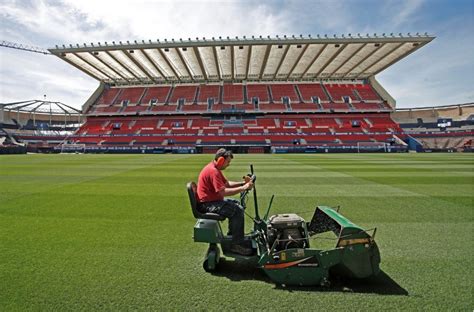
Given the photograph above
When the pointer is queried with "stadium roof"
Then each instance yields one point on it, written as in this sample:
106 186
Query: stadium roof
256 59
40 107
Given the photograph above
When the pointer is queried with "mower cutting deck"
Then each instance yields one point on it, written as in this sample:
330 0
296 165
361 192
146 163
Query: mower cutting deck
282 246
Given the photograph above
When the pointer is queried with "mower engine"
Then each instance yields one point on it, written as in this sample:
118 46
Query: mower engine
285 231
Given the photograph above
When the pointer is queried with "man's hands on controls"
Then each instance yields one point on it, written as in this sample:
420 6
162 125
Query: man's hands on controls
248 185
247 178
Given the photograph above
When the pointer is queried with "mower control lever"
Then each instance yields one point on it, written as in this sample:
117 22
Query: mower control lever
243 195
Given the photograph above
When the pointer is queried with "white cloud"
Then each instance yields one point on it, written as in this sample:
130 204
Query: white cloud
437 73
404 12
46 23
30 79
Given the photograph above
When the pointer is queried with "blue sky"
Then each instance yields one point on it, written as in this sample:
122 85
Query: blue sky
441 73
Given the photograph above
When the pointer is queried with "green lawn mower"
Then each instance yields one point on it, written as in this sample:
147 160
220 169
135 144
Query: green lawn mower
284 244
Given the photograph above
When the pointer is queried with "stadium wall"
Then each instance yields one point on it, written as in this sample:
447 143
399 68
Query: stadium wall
431 114
382 92
94 97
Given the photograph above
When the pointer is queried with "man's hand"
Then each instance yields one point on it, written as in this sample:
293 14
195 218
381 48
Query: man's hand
247 178
248 185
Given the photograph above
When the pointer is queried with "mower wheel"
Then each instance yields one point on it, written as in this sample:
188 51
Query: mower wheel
212 258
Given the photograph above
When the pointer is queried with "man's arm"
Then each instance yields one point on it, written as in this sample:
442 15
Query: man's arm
232 184
233 188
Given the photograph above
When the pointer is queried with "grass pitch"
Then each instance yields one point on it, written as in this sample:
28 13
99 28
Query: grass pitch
114 232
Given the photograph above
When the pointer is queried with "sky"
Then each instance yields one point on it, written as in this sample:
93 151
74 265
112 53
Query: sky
440 73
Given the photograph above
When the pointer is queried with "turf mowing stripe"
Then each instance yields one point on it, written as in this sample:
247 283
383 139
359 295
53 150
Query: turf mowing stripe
123 239
110 172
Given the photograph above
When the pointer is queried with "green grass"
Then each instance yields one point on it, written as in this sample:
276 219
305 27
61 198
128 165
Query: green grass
114 232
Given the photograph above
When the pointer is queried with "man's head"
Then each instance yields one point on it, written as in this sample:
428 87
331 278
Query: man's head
223 158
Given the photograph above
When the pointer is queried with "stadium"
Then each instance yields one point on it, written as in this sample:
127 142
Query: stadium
250 95
95 212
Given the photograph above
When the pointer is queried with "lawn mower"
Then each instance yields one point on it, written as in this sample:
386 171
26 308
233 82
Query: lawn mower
283 243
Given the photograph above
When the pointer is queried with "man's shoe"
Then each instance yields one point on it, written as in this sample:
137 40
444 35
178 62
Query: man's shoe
241 250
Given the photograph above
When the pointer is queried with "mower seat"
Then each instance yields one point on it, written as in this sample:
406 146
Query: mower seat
191 186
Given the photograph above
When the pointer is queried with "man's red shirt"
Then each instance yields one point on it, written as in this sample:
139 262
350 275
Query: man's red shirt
210 182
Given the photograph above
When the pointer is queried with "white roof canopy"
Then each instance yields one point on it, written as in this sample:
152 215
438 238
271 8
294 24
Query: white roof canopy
234 60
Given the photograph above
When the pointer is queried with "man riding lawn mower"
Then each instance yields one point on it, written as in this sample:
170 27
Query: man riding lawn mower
280 244
211 190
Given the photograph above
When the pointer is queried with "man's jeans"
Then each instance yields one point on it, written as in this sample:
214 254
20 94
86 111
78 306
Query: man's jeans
232 210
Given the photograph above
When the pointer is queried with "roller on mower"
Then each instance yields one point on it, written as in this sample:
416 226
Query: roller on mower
285 244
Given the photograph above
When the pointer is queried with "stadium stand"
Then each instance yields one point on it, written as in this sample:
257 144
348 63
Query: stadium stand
258 92
233 94
207 92
280 91
186 93
256 103
310 92
156 95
